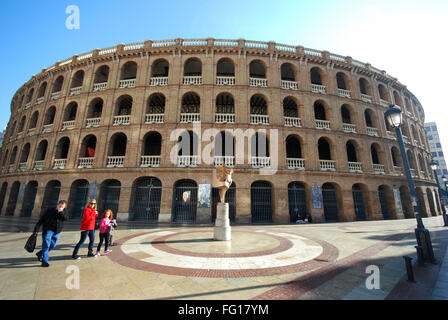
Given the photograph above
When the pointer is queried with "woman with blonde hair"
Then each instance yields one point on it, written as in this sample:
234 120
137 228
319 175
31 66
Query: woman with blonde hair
106 224
87 228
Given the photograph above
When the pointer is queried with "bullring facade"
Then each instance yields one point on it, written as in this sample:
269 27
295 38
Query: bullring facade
100 125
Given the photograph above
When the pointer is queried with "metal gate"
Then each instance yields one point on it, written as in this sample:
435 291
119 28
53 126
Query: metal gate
185 199
297 201
383 201
147 196
29 199
12 201
51 197
330 203
110 198
261 202
230 199
79 202
358 201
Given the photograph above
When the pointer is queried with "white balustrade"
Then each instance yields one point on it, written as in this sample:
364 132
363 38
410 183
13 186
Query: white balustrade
260 162
292 122
398 170
349 128
19 135
93 122
312 52
150 161
406 139
22 167
322 124
38 165
28 105
99 86
366 98
372 131
258 82
355 167
344 93
391 135
187 161
378 169
59 163
225 118
228 161
67 125
130 83
55 95
154 118
256 44
192 80
47 128
158 81
31 132
86 162
225 80
190 117
384 103
115 161
327 165
11 168
295 163
259 119
289 85
122 120
413 173
39 100
75 91
317 88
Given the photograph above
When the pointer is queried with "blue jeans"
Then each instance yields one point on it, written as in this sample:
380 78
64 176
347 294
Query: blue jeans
49 241
84 234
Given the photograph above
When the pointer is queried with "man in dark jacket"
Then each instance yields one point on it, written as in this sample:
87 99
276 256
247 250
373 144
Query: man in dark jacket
52 222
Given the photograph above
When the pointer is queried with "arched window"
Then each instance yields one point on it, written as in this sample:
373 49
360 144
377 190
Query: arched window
155 108
117 150
365 87
152 147
316 76
78 79
192 67
190 108
259 150
342 81
287 72
351 152
345 114
257 70
319 111
123 110
41 93
225 109
94 113
57 85
293 148
62 148
128 75
384 94
25 153
324 149
225 68
33 120
160 68
49 115
101 75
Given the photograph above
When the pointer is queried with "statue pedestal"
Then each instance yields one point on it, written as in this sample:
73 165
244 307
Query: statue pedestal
222 223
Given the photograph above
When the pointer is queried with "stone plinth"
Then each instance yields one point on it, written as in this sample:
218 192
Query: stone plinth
222 230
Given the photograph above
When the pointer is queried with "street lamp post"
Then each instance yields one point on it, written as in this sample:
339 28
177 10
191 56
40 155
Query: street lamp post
434 164
394 118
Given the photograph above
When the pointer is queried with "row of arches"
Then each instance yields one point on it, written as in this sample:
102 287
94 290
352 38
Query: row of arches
146 198
224 105
225 67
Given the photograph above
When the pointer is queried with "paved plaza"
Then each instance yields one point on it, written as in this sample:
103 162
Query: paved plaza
261 262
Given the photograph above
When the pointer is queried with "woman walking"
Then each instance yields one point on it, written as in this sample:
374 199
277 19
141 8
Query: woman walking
106 224
87 229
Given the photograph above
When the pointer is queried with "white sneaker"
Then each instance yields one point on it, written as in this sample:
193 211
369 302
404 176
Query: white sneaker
97 254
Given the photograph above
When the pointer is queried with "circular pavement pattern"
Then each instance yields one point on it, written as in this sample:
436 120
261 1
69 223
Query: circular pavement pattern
250 253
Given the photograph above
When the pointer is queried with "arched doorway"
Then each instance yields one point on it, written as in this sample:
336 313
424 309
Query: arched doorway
359 202
230 199
12 201
51 195
296 201
147 193
109 196
29 198
185 199
330 203
78 198
261 202
383 195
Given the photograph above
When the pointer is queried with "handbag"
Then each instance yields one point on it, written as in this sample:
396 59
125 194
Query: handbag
30 244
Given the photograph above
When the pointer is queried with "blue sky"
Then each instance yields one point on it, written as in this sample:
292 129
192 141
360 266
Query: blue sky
405 38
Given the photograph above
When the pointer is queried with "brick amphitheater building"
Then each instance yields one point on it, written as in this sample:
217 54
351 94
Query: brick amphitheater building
100 125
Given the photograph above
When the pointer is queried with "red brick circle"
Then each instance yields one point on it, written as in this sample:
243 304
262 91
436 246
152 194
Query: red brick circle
160 243
328 255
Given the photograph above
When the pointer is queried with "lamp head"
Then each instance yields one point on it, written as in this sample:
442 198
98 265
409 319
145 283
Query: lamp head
434 164
393 116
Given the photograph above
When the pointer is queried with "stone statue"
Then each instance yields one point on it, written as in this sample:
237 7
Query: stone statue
223 181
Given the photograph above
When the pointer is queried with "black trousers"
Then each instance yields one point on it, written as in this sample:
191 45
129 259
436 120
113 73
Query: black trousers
103 237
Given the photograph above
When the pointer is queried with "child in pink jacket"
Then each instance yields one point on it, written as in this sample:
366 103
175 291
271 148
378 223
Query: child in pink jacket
106 222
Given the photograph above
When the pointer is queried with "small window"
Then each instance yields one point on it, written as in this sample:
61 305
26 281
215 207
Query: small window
427 129
434 128
438 145
441 154
429 137
434 154
445 171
